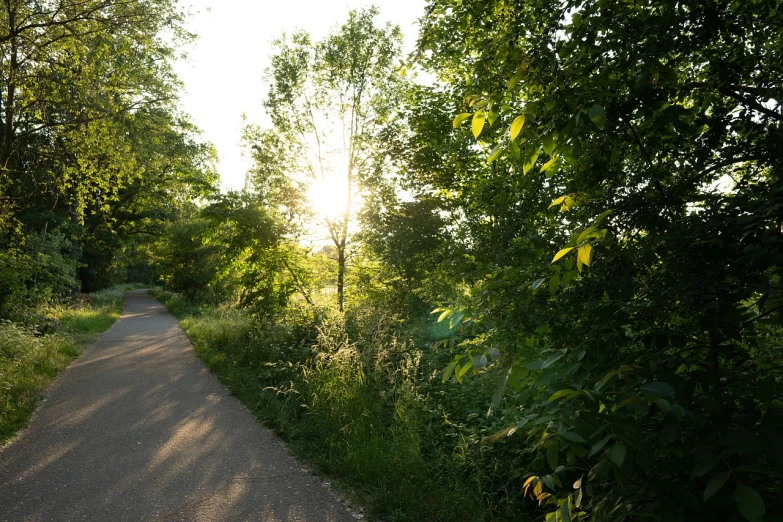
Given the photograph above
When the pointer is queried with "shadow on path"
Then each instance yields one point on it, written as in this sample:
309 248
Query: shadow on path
138 429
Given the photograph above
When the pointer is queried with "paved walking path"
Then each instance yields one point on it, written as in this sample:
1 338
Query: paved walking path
138 429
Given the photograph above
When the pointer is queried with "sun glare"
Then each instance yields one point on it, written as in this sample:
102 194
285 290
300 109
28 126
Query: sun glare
328 196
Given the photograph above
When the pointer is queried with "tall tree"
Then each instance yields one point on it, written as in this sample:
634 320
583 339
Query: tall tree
67 69
334 98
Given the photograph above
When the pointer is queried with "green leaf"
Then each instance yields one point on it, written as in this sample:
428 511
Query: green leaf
562 393
515 150
463 370
568 276
705 466
576 149
554 284
512 82
598 446
658 389
495 153
449 370
749 503
460 118
597 115
552 360
565 511
531 161
562 253
549 144
498 395
601 217
715 484
478 123
572 436
492 116
538 282
552 456
456 319
516 126
617 454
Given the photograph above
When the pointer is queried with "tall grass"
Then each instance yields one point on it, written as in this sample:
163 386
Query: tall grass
27 364
353 405
29 361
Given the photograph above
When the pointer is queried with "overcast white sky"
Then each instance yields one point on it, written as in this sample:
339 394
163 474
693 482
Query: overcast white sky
223 75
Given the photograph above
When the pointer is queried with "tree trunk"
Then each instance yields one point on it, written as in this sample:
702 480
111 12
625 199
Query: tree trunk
341 276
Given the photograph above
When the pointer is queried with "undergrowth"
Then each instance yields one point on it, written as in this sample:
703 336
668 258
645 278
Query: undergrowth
30 359
363 406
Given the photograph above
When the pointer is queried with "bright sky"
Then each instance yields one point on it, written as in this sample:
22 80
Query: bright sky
223 75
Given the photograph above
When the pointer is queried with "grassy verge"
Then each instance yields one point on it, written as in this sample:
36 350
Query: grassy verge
30 361
354 409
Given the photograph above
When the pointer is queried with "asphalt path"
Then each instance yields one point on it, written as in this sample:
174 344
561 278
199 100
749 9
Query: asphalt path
138 429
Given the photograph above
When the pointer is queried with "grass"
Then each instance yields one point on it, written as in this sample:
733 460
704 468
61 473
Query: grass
353 409
29 361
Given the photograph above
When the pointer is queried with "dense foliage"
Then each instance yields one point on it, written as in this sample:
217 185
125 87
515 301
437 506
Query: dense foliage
94 155
592 205
624 242
587 194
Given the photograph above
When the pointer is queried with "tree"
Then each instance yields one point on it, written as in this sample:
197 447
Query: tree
622 235
66 68
92 146
334 98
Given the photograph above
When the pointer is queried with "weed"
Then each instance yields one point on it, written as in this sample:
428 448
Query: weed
30 361
357 405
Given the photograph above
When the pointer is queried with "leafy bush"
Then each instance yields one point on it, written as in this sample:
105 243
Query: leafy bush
357 400
44 271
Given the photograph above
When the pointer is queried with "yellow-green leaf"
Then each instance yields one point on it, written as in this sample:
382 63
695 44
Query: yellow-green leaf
548 165
449 371
562 253
516 126
494 154
460 118
549 144
558 201
584 254
530 162
478 122
492 116
585 233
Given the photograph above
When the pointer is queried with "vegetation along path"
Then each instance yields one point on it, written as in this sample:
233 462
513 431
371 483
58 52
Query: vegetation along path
138 429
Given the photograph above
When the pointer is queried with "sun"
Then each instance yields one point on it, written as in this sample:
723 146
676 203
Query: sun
329 196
